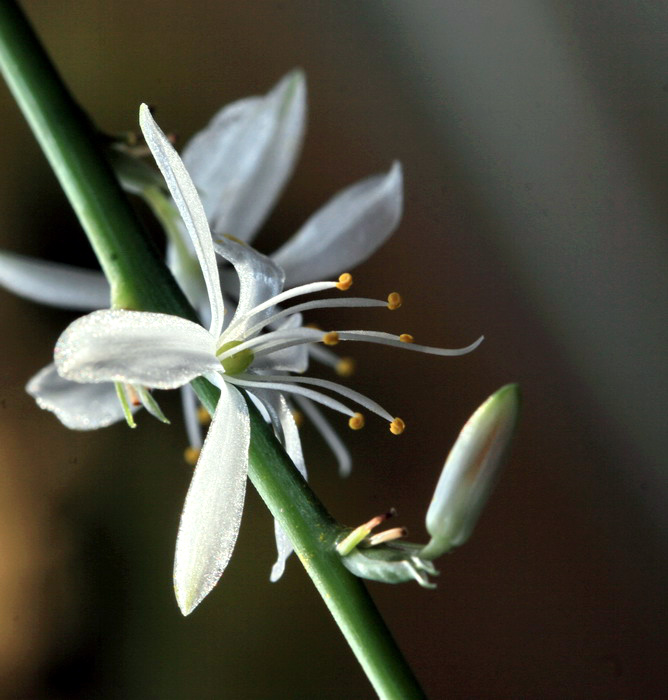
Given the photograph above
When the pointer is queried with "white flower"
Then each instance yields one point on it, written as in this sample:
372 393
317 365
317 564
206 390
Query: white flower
165 352
239 163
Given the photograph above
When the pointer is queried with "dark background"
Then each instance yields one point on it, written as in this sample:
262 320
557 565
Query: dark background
534 147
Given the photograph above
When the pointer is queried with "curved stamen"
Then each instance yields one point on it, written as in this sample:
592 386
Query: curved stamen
395 341
293 336
351 394
357 302
329 435
291 389
301 290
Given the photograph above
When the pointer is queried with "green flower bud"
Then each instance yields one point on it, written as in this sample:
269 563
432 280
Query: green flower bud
470 472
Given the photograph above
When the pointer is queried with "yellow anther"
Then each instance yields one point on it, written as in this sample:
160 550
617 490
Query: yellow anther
345 281
191 455
356 421
406 338
298 418
315 326
203 416
397 426
345 367
394 301
331 338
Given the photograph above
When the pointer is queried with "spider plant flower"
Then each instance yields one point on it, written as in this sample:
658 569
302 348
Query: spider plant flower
240 164
166 352
470 472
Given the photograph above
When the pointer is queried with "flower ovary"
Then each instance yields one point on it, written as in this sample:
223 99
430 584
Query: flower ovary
237 363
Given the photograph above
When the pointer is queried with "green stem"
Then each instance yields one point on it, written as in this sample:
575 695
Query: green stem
140 280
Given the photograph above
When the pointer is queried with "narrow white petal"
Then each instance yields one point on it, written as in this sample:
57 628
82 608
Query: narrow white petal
293 447
214 504
329 435
62 286
241 161
188 203
135 347
259 279
78 406
346 231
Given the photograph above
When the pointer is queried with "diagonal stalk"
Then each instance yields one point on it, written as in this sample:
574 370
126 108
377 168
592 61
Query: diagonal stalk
140 280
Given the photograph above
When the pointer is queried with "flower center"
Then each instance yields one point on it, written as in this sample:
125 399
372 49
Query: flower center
238 362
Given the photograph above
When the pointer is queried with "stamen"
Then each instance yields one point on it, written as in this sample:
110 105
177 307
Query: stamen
393 340
406 338
397 426
345 282
352 539
315 326
191 455
394 301
301 290
133 396
203 416
334 303
331 338
394 533
329 435
298 418
356 422
345 367
290 384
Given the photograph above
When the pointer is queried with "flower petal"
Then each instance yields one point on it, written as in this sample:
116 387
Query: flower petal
62 286
188 203
293 447
241 161
78 406
135 347
214 504
346 231
260 279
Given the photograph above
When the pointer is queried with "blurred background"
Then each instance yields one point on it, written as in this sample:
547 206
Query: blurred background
535 154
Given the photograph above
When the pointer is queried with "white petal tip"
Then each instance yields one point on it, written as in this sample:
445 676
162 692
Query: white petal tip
186 603
277 571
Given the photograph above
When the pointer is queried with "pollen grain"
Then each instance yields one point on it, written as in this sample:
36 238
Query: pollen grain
394 301
397 426
331 338
356 421
191 455
345 281
203 416
345 367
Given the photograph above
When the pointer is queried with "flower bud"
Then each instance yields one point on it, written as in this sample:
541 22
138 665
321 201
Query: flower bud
470 472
